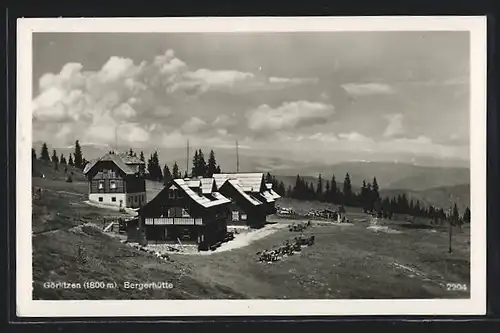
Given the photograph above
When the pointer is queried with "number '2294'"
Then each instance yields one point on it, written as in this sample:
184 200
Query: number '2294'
456 287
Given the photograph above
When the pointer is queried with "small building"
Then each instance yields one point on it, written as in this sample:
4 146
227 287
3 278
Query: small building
252 199
186 210
117 179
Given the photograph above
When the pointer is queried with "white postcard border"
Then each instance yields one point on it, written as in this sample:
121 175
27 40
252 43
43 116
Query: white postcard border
476 305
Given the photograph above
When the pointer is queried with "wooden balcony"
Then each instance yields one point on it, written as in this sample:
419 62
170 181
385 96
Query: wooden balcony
173 221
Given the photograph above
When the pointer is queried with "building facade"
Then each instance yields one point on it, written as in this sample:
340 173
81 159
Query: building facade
252 199
117 179
186 211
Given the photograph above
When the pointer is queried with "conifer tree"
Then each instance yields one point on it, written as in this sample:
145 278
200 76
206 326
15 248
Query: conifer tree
466 216
333 190
175 171
347 191
211 165
196 164
218 169
319 189
44 154
62 159
142 156
70 161
167 176
78 157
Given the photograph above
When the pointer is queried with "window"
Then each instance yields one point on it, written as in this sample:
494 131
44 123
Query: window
100 199
112 184
171 194
236 215
113 199
185 213
101 185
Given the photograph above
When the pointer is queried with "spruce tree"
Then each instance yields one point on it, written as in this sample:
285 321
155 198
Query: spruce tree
211 165
55 159
202 165
217 170
33 154
150 167
347 191
175 171
466 216
70 161
333 190
269 178
44 154
62 159
319 189
364 197
167 176
455 217
142 157
78 155
131 152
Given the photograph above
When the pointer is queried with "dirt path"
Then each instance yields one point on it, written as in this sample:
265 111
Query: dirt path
240 240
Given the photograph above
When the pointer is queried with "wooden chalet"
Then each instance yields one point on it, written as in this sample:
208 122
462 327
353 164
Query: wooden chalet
186 210
252 199
117 179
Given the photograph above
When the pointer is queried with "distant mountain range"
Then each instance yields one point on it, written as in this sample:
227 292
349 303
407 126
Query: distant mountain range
436 176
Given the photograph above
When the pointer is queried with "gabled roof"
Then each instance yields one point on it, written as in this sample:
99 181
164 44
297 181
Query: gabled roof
116 159
274 194
248 182
235 184
201 199
267 196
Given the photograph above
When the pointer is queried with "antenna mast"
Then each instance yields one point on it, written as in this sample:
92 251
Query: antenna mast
116 138
237 158
187 158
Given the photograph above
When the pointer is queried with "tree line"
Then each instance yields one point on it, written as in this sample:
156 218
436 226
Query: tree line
75 159
367 198
200 167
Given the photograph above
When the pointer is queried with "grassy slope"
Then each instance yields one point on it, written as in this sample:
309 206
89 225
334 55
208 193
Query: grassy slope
57 226
346 261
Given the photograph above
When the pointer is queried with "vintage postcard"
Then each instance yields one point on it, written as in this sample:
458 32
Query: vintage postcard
251 166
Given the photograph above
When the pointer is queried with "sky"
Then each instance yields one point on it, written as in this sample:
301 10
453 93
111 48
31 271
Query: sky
306 92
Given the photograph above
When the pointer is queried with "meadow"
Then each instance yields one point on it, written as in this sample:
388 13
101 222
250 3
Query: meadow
363 259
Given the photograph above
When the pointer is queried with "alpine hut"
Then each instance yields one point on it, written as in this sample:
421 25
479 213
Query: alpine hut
252 199
186 210
117 179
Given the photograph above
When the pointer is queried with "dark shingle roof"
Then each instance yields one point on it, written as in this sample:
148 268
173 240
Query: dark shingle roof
123 161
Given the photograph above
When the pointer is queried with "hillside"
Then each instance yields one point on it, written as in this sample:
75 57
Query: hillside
437 196
346 261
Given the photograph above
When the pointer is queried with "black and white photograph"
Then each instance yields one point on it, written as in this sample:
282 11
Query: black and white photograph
240 166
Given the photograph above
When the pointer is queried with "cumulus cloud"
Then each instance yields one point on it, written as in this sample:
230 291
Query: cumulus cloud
395 126
193 125
289 115
85 105
362 89
355 136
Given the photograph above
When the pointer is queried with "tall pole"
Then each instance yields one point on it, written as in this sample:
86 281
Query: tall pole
187 158
450 230
237 158
116 138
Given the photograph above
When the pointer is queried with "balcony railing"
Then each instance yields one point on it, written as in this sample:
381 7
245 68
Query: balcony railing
173 221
